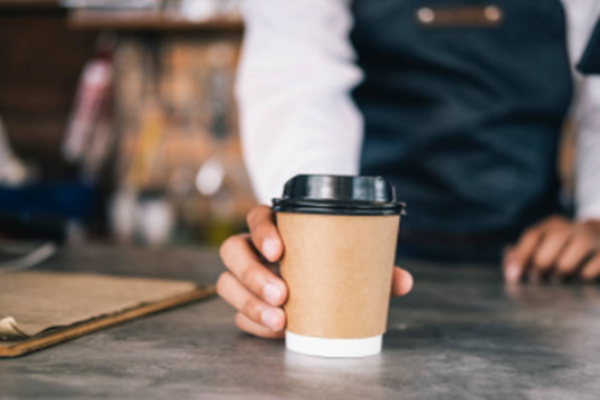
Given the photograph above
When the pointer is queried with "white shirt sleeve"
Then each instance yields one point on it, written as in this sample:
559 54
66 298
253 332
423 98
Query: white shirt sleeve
582 16
293 90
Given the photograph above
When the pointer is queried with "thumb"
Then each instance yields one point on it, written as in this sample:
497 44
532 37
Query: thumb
402 282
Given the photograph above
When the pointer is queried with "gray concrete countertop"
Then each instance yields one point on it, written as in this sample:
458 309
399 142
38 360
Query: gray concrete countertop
460 334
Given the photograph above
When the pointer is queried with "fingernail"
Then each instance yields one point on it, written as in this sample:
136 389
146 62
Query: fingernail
269 249
512 273
271 318
273 293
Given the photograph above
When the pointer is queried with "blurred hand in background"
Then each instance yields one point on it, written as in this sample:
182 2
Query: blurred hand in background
555 249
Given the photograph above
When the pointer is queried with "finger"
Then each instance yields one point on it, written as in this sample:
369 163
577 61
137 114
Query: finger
552 243
234 293
512 272
264 234
247 325
577 250
241 259
516 260
591 271
402 282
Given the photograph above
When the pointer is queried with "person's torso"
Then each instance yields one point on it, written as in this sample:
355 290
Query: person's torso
463 103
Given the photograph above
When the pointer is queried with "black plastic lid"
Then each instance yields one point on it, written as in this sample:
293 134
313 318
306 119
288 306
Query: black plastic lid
339 195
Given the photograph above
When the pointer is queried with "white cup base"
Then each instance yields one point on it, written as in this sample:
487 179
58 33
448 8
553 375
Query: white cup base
333 348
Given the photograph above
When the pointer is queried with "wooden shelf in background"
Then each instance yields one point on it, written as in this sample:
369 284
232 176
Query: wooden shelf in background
147 20
29 4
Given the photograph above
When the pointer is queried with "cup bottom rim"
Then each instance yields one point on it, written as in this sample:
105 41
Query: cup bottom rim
333 348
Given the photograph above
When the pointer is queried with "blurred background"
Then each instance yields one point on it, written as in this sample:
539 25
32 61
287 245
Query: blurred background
118 122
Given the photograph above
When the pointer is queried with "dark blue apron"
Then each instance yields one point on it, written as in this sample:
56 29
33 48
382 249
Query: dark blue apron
463 114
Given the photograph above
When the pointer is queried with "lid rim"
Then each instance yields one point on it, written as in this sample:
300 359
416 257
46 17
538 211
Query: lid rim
329 206
338 194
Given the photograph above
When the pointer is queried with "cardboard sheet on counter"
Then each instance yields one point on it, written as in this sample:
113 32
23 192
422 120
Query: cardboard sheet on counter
34 302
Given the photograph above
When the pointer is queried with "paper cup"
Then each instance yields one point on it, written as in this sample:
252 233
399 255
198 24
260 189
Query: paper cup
338 266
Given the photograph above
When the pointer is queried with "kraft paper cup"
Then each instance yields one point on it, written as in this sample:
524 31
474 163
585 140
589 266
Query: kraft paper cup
338 266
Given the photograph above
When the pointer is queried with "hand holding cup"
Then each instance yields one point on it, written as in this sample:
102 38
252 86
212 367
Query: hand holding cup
252 284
